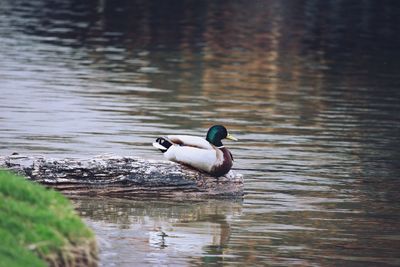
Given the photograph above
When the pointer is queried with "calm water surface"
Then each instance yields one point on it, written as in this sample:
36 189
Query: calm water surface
311 89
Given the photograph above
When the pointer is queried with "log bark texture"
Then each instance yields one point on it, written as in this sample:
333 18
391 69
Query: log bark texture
124 177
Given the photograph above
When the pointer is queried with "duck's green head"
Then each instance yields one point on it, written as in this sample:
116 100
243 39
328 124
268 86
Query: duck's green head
216 133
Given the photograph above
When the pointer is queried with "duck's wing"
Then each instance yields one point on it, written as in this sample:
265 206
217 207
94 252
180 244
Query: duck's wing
199 158
192 141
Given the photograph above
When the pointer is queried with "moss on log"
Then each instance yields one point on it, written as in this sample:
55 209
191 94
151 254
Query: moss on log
124 177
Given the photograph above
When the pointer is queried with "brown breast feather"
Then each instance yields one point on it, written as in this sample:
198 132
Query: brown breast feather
223 156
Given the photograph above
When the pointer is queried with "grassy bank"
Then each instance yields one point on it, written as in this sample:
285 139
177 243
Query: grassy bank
38 226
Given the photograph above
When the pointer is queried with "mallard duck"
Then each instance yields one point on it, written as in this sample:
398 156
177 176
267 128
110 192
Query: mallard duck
208 155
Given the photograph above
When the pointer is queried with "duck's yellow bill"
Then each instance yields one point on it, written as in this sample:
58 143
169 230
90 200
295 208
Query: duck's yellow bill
231 137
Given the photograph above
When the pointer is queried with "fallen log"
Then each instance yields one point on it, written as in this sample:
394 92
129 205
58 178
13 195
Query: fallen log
129 177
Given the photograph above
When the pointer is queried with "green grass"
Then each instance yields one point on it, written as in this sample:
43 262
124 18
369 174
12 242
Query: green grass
36 223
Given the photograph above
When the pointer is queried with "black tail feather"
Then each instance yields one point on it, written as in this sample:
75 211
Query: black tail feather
164 143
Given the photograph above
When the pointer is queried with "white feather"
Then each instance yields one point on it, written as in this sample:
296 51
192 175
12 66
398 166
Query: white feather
188 140
203 159
158 146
